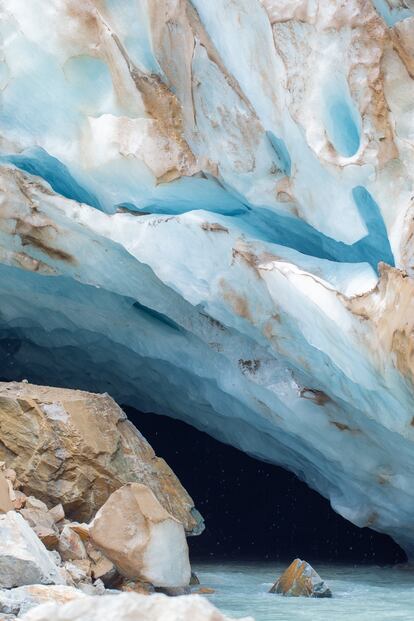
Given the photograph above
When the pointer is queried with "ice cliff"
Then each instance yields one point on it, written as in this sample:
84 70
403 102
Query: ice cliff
207 211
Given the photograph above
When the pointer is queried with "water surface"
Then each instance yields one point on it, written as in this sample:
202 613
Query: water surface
363 593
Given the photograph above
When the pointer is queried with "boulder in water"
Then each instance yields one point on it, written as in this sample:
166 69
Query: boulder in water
301 580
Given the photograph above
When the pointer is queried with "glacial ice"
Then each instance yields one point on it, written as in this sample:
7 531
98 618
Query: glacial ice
206 210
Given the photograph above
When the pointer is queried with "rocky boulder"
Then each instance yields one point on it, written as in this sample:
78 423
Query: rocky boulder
76 448
18 601
130 607
23 557
141 538
301 580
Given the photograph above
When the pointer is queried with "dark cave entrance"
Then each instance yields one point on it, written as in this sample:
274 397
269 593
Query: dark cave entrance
253 510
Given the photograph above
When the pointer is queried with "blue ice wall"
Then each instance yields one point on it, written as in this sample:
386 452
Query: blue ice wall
279 146
37 161
392 15
193 193
341 118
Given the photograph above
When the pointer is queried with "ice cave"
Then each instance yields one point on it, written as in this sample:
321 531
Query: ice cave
207 211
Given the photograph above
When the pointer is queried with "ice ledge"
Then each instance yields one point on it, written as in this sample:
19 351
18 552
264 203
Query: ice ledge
280 354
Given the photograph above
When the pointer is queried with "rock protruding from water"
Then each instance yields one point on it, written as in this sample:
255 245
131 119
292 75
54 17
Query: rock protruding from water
75 448
131 607
194 579
141 538
23 557
301 580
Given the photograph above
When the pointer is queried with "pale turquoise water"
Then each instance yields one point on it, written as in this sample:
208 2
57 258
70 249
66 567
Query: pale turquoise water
364 593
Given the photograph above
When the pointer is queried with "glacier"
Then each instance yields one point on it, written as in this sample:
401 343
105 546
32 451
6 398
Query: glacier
206 210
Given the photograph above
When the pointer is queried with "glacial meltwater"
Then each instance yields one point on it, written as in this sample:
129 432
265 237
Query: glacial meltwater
360 593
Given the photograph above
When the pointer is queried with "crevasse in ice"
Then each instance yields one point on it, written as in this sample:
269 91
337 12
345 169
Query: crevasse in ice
207 211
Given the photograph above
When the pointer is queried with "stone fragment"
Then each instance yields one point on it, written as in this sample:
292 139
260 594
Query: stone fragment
43 525
35 503
10 475
105 570
301 580
21 599
19 500
136 586
93 552
95 588
6 503
71 546
81 529
131 607
83 566
12 491
101 566
77 573
194 578
174 591
57 513
23 557
141 538
76 448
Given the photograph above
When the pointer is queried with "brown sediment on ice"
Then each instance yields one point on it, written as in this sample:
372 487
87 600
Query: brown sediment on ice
390 309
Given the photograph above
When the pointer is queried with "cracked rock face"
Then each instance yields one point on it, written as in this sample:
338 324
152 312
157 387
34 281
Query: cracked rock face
301 580
76 448
218 231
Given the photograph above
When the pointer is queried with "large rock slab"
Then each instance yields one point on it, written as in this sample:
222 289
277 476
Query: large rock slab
141 538
23 557
131 607
76 448
18 601
301 580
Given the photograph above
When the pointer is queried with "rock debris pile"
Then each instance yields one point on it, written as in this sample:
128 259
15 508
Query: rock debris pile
88 511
